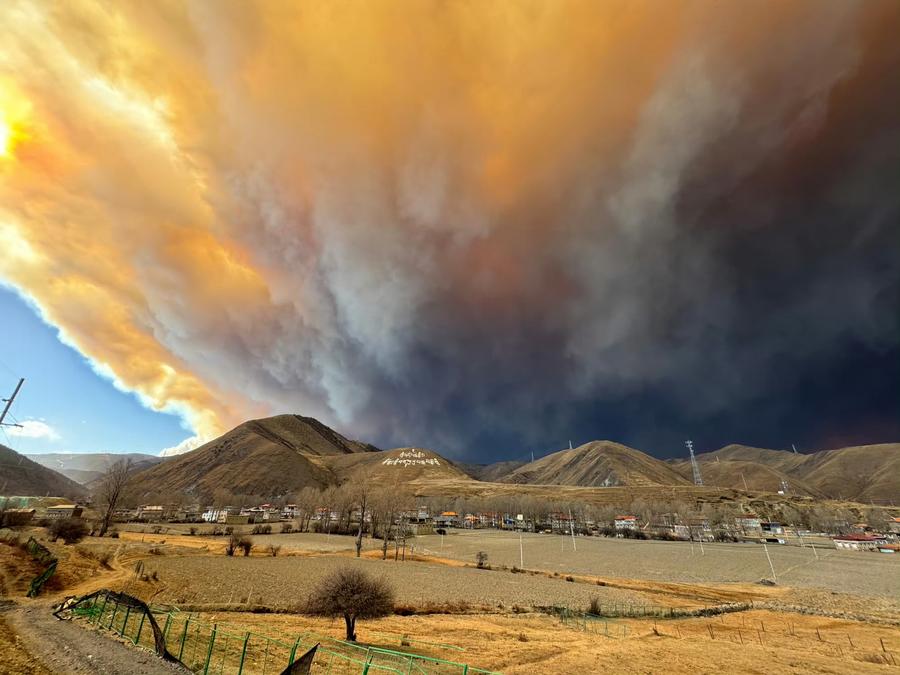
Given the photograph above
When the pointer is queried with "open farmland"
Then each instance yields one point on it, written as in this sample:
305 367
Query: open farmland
870 574
284 583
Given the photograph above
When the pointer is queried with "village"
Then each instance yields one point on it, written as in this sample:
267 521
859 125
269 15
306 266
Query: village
343 517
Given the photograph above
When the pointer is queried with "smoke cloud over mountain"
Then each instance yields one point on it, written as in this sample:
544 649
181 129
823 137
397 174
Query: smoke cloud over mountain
463 225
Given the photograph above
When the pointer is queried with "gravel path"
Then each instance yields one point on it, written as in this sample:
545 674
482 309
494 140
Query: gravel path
284 582
69 647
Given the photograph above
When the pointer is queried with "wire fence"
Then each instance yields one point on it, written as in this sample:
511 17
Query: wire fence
40 553
206 648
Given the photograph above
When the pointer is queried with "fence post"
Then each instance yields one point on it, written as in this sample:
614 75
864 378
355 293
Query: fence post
102 609
294 651
113 617
125 623
166 627
140 628
243 653
183 637
212 641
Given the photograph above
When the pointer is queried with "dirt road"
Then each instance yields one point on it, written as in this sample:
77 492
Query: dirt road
41 644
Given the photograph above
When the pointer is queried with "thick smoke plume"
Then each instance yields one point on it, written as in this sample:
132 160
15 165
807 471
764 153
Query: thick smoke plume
451 223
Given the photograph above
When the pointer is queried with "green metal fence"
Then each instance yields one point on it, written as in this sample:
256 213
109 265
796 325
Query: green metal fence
40 553
219 648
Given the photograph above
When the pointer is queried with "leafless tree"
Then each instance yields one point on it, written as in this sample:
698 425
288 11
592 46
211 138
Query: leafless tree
353 594
112 485
361 496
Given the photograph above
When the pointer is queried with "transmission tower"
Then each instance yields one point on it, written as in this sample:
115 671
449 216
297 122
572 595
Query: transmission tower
698 479
9 402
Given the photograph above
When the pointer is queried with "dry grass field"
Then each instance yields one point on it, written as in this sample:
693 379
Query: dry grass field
530 643
839 614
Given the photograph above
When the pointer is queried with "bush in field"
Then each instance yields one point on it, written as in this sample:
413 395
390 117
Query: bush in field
232 544
246 545
286 528
353 594
274 549
261 529
70 530
596 607
481 560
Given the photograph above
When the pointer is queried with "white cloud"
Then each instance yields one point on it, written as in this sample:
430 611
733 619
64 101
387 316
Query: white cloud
34 429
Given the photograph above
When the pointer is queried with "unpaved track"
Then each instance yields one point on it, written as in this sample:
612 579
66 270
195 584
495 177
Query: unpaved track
69 647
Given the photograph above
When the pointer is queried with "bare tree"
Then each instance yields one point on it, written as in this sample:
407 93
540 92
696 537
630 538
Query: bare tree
112 485
361 495
353 594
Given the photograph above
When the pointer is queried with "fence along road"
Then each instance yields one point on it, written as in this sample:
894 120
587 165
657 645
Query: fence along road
217 648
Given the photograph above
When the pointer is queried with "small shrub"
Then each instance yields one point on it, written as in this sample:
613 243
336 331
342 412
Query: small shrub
273 550
229 530
70 530
570 578
523 637
481 559
103 557
596 607
232 544
156 529
114 534
404 641
192 531
246 545
261 529
154 575
155 551
286 528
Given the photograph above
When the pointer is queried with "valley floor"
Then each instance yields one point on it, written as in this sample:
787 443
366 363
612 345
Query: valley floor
494 619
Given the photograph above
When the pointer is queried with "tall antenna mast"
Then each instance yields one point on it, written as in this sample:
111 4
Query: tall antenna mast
570 445
9 402
795 448
698 479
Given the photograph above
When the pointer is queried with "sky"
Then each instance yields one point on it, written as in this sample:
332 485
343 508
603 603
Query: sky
482 228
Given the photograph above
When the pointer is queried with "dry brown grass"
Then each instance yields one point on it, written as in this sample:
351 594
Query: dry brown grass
789 644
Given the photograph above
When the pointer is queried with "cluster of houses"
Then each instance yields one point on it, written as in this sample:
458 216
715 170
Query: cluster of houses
421 521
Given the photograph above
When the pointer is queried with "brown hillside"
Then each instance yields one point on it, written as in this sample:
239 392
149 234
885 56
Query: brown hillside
863 473
19 476
859 473
491 472
271 456
597 464
744 475
400 464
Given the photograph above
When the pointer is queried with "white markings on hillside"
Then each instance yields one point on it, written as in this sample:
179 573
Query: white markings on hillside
412 458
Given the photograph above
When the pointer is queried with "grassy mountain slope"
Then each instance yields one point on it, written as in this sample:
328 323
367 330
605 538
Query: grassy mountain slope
597 464
21 476
270 456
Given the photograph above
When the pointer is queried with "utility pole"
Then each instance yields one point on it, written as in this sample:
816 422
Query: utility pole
9 402
698 479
